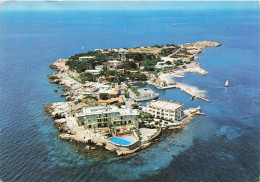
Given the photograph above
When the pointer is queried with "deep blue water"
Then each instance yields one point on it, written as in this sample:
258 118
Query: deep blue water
124 140
222 146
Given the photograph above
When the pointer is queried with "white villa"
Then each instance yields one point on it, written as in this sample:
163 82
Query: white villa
100 116
163 109
93 72
85 58
115 63
172 60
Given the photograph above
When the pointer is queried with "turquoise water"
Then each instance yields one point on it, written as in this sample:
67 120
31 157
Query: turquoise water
222 146
124 140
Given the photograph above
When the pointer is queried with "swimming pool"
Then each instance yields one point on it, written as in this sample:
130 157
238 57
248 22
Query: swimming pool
124 140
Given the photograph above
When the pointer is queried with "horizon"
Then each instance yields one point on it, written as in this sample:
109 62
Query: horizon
39 5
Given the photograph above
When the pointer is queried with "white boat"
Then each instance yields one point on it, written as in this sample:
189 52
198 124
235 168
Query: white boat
226 84
82 47
147 98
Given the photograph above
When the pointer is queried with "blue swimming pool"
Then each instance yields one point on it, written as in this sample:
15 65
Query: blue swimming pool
124 140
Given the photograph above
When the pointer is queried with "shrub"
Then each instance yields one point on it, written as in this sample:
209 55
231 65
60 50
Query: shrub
103 96
147 115
168 62
118 105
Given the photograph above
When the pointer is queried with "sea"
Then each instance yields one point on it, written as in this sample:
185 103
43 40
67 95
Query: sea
223 146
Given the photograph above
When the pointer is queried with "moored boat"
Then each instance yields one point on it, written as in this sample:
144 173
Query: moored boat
147 98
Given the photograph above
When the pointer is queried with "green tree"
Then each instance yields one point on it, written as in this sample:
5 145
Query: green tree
83 77
134 106
103 96
118 105
168 62
147 115
129 65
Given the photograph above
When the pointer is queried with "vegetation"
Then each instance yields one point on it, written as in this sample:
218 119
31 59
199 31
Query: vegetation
80 66
168 51
103 96
134 89
147 116
150 63
173 45
184 51
129 65
148 60
179 62
115 76
168 62
83 77
118 105
134 106
126 95
158 46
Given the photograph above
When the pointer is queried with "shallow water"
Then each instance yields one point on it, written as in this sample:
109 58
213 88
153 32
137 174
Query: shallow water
222 146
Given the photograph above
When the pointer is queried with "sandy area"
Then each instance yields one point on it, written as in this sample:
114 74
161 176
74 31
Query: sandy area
153 50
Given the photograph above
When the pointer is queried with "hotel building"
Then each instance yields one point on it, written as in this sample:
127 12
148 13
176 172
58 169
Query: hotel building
163 109
100 116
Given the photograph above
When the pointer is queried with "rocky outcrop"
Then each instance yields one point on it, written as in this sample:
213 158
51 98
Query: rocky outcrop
64 94
202 44
72 138
53 76
59 65
61 125
69 98
48 108
57 110
56 81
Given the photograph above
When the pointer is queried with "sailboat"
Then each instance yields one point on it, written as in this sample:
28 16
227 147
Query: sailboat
82 47
226 84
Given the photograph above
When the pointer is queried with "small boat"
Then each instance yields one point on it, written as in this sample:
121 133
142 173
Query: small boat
82 47
226 84
192 98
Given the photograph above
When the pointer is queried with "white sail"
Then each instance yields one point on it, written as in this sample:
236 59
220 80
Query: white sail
226 84
82 47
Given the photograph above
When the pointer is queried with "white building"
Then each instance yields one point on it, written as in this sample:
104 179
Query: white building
163 109
172 60
85 58
93 72
99 67
100 116
115 63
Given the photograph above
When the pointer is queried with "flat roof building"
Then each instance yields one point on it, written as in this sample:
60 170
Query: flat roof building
85 58
163 109
101 116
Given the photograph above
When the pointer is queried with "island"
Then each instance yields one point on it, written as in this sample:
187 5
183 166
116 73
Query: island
103 98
